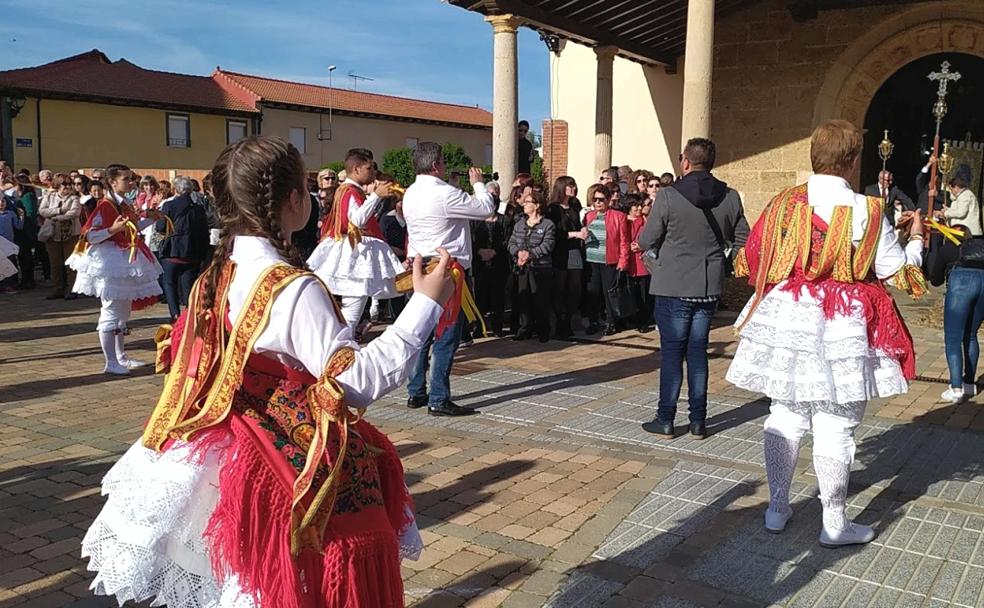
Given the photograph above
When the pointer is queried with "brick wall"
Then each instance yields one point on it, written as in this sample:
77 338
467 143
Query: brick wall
768 72
554 149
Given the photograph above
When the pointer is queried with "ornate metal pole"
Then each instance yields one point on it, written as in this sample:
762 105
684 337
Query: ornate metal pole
885 149
945 77
946 162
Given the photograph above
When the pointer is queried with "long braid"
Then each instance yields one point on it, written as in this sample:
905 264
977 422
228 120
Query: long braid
251 181
272 227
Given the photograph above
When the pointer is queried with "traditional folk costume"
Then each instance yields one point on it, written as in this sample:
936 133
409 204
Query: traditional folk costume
353 258
822 335
255 484
7 249
120 270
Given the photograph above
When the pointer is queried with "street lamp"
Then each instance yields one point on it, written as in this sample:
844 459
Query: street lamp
331 101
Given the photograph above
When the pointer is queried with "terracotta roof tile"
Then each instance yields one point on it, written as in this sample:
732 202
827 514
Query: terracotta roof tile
314 96
92 74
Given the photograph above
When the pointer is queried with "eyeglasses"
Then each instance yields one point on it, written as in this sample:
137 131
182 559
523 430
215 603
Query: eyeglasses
78 183
641 180
600 199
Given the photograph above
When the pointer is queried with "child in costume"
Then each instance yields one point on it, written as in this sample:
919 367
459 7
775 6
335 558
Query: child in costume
113 263
822 335
353 258
255 484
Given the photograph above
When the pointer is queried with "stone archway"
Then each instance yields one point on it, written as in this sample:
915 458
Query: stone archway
853 80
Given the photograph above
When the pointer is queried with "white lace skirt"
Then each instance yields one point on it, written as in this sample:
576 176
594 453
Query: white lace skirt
7 249
105 271
367 270
146 543
789 351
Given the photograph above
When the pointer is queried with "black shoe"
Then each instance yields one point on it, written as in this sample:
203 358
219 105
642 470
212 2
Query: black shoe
522 335
71 296
544 339
611 330
417 402
664 430
698 430
448 408
592 329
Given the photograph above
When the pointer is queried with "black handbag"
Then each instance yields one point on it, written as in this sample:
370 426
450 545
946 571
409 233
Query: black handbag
623 302
972 250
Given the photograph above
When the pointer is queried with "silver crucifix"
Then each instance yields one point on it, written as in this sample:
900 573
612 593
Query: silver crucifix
945 76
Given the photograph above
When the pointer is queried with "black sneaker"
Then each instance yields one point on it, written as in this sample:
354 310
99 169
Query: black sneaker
417 402
449 408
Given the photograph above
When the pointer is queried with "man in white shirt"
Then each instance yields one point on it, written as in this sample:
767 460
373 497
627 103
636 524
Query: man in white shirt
438 215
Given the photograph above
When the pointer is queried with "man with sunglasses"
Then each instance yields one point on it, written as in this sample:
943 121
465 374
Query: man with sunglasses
691 224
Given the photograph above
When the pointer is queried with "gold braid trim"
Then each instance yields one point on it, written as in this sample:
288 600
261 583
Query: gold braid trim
325 398
911 280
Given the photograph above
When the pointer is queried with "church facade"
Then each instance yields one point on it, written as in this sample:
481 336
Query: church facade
631 80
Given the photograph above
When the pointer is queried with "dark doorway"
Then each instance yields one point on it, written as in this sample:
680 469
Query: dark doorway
904 104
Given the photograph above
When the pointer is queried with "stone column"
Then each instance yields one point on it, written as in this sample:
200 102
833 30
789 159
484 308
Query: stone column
505 98
603 109
698 64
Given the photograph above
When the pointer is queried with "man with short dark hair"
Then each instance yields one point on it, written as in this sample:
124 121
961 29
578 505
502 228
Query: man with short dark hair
438 215
524 150
689 227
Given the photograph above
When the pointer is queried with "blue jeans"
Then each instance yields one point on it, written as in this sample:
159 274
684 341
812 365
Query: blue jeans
963 313
438 355
178 279
683 331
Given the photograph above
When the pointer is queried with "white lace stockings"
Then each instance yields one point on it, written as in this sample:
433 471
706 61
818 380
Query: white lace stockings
832 478
780 463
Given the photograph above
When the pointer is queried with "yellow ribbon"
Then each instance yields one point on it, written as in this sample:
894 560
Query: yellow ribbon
468 304
132 232
949 233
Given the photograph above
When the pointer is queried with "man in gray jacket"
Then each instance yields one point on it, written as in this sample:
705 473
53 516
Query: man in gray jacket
691 224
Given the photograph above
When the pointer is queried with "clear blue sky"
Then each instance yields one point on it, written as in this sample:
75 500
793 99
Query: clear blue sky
414 48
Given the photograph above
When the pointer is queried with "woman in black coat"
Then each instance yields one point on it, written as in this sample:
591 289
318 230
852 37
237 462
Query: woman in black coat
531 245
568 256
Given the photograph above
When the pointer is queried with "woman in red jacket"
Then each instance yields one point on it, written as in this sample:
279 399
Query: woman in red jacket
607 249
638 275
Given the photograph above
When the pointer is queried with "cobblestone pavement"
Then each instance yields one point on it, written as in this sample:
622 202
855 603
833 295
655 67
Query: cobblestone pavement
553 496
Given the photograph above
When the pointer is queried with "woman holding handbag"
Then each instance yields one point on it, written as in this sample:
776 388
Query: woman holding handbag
531 245
60 209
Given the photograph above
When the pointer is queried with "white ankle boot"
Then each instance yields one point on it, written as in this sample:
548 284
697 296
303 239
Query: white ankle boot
832 478
107 340
122 357
780 464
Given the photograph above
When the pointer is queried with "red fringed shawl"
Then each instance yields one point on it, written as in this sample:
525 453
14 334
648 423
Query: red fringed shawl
311 496
790 243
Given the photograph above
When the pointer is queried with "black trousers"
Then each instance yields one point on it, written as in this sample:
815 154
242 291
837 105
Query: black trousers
25 261
567 296
639 286
535 302
601 277
490 294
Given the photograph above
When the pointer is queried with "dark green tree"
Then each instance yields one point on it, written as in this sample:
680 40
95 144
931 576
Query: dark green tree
399 163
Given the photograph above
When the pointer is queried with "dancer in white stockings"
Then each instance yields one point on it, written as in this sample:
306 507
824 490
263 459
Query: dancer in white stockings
822 336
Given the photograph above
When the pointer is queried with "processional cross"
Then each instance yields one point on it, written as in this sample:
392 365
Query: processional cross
945 77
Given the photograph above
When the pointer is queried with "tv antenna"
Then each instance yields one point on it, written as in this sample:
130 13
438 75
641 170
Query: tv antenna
356 78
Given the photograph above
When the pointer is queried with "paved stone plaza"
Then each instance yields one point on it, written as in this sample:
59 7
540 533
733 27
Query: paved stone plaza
553 496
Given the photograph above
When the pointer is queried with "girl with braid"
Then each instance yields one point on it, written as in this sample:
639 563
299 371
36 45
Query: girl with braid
113 263
257 481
